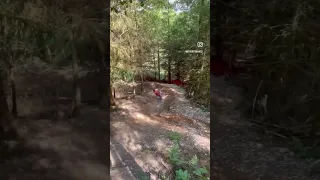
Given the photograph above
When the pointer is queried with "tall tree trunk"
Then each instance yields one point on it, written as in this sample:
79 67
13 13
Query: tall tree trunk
112 102
141 84
105 88
154 65
141 71
178 74
103 54
169 68
169 56
159 68
200 36
7 131
49 54
200 22
233 54
218 43
77 91
14 110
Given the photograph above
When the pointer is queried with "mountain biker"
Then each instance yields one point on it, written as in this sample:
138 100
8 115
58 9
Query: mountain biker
158 94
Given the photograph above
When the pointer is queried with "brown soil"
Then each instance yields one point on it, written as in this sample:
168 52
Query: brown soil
146 136
75 150
54 147
242 151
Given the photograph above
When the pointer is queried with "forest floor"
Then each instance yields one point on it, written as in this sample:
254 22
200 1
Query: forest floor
146 136
242 151
77 149
54 146
239 150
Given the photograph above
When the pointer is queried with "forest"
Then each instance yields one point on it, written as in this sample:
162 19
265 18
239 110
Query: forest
54 81
273 48
254 89
269 51
151 43
54 74
160 46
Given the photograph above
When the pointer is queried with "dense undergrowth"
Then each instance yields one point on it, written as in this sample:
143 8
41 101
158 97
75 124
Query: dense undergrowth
280 49
184 169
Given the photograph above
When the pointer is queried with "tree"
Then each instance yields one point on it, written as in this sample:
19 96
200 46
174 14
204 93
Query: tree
17 32
49 30
168 33
278 42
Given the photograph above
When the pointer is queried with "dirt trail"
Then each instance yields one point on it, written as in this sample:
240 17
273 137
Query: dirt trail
145 136
56 147
240 151
67 150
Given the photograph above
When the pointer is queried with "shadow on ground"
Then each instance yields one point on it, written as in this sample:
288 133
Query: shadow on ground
58 149
147 136
239 150
75 150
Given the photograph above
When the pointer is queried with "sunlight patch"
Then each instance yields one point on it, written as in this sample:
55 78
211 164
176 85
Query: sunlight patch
201 141
134 147
123 113
130 107
130 140
154 164
140 116
175 91
162 145
182 99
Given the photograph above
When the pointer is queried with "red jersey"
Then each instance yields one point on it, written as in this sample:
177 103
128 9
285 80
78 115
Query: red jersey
157 92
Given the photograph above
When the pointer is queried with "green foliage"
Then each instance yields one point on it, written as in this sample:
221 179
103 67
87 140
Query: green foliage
182 175
198 87
194 161
175 136
139 33
280 45
200 172
130 49
142 176
44 30
121 74
185 170
174 154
